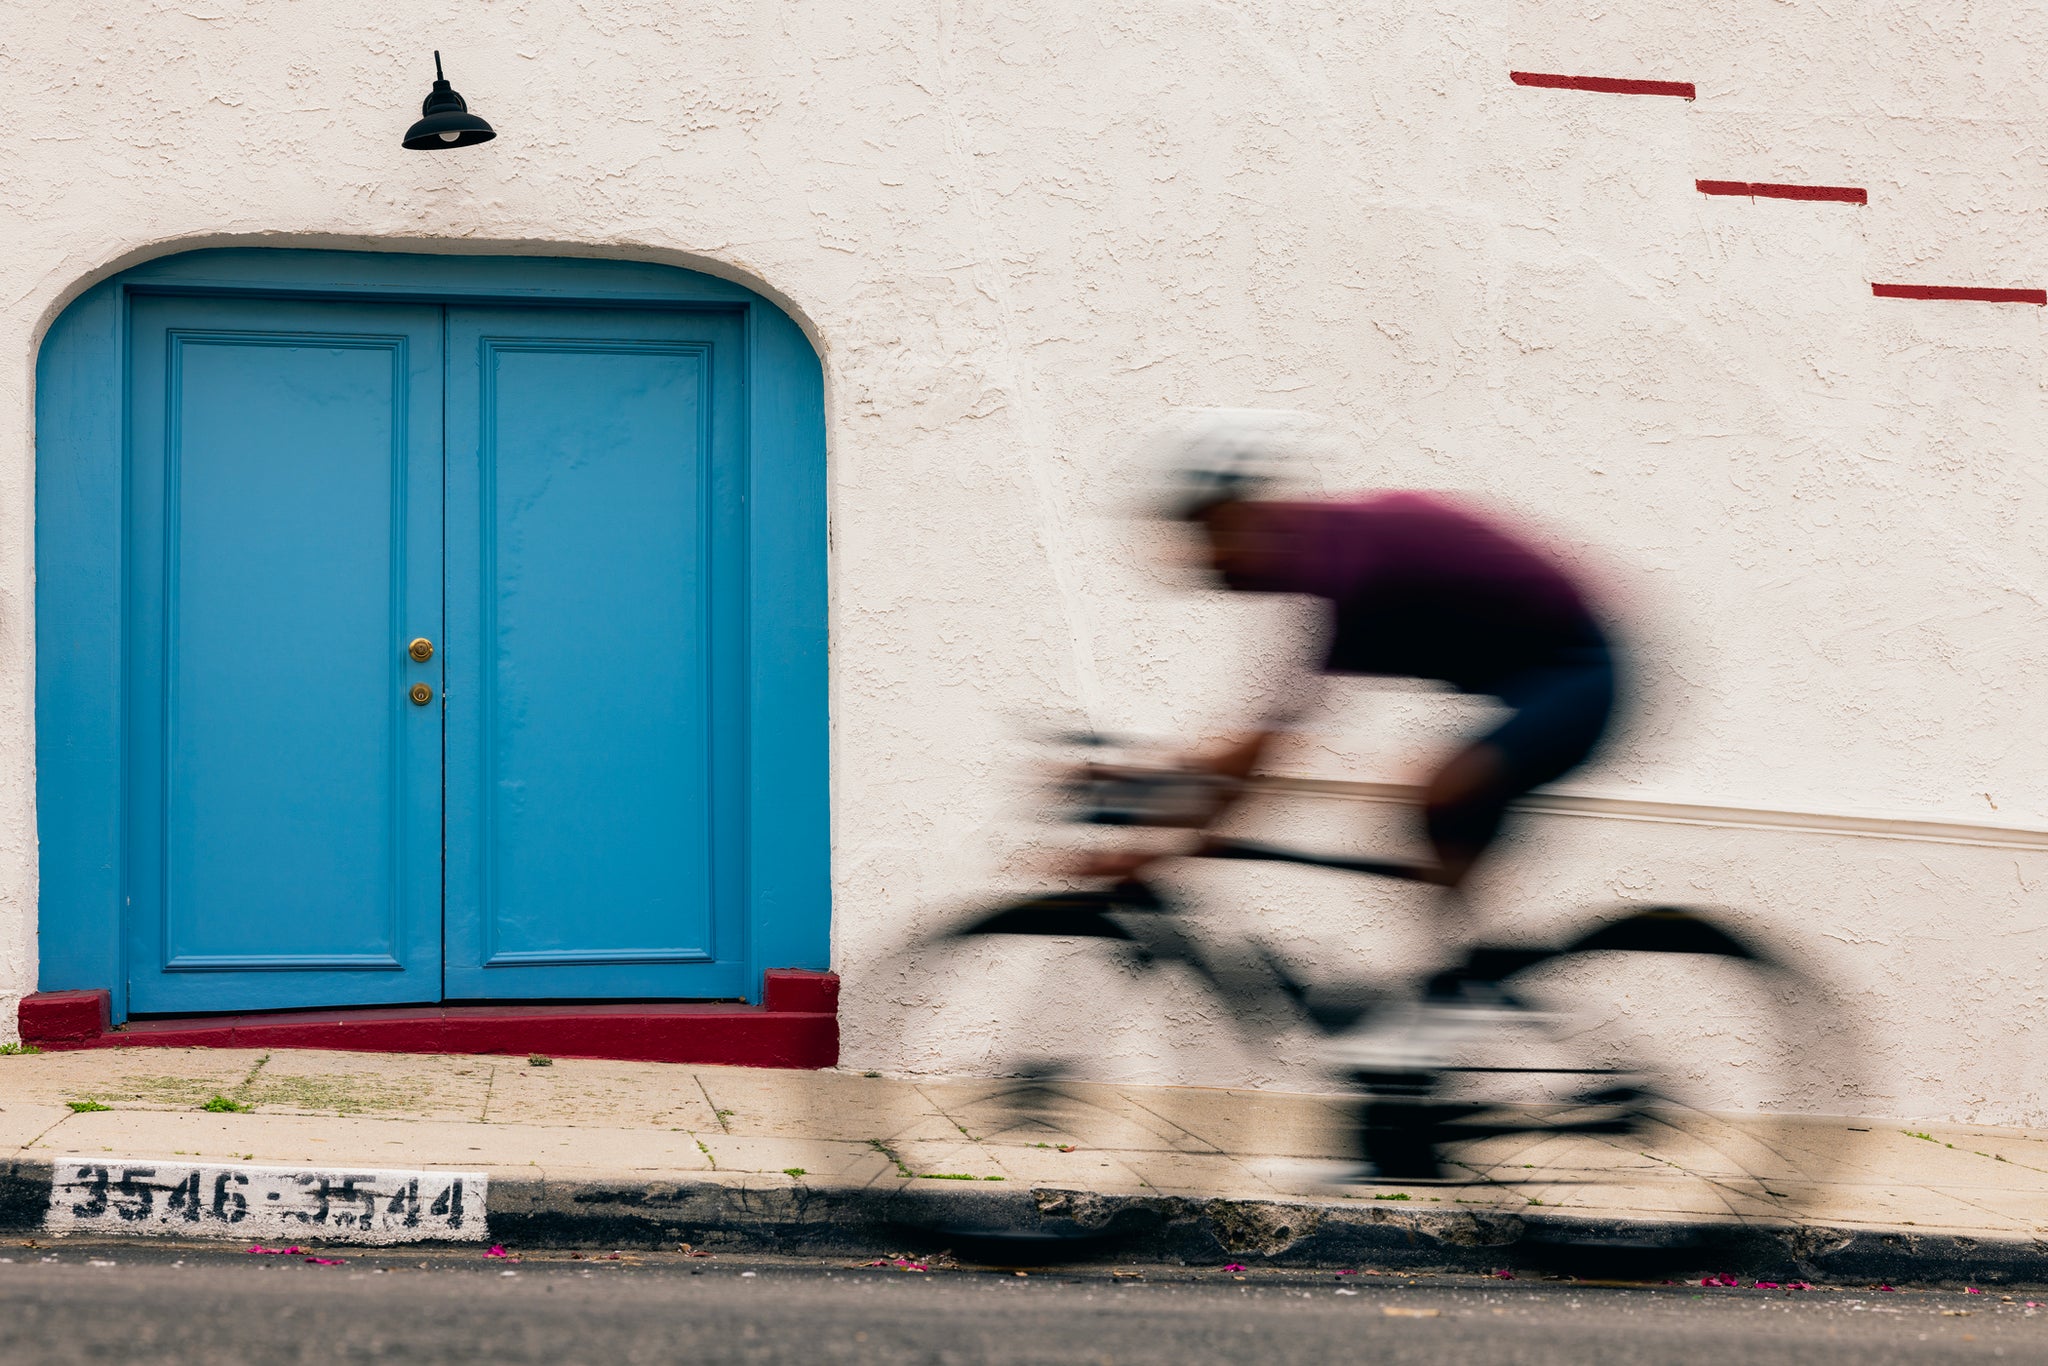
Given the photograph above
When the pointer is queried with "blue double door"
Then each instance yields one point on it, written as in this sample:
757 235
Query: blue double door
434 631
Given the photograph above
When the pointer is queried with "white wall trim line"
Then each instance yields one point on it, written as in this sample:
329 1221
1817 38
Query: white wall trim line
1680 813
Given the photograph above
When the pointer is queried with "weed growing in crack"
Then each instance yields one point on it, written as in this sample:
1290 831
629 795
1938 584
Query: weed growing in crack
885 1150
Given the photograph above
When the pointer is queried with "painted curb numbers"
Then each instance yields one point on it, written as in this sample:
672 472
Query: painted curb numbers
198 1200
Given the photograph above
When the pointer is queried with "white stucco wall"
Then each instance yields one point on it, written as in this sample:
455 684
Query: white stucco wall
1018 233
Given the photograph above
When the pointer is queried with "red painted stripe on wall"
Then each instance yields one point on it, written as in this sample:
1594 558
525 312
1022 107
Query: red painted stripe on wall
1840 194
1604 85
1972 292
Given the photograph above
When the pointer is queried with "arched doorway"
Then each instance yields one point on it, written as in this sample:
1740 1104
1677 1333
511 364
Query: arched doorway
423 628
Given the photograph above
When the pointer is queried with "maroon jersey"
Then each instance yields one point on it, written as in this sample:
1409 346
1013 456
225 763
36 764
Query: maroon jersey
1421 588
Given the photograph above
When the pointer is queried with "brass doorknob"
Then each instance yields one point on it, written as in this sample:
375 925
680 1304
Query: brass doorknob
421 694
421 649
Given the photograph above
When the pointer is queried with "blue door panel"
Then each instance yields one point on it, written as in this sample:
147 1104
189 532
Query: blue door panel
595 661
285 489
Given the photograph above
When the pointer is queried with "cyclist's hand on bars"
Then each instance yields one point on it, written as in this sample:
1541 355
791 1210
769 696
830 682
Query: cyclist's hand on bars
1187 797
1113 863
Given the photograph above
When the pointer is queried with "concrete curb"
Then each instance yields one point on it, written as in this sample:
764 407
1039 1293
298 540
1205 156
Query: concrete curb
1030 1225
1027 1226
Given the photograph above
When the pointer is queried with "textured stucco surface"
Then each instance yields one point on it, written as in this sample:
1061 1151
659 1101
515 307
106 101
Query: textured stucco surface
1019 233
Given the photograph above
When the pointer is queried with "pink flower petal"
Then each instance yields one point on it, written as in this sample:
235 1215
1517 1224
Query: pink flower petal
1233 1266
497 1250
326 1261
1503 1275
1971 1290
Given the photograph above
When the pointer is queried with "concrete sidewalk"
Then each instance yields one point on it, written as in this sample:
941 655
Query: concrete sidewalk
601 1154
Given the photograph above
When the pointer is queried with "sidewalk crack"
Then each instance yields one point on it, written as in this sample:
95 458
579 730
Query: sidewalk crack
1137 1104
902 1169
943 1113
716 1113
242 1091
45 1133
490 1090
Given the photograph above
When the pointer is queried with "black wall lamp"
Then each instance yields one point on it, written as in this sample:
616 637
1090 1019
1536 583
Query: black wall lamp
445 119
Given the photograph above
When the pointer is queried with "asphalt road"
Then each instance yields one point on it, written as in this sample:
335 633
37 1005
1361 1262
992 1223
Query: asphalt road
150 1303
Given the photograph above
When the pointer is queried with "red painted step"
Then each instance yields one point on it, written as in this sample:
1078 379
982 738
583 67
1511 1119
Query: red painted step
797 1025
56 1019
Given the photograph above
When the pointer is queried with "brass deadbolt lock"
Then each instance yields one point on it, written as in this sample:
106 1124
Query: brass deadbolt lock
421 649
421 694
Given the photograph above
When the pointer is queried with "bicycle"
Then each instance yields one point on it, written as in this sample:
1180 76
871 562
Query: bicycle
1443 1076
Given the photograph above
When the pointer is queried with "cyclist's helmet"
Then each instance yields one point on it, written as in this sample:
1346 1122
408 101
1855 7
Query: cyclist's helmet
1212 456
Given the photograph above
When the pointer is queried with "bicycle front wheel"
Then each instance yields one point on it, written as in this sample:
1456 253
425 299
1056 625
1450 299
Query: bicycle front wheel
1004 1012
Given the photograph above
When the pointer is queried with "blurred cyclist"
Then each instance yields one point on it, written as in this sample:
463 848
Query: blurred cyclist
1416 587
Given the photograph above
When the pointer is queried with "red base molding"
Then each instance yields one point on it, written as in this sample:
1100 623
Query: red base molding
797 1025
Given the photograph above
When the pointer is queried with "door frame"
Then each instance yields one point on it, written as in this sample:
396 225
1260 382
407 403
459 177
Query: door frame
82 525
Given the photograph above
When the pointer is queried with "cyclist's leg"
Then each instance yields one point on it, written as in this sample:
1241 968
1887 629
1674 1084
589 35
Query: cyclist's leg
1561 709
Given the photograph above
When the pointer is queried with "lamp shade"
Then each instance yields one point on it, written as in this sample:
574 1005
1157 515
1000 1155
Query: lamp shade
445 120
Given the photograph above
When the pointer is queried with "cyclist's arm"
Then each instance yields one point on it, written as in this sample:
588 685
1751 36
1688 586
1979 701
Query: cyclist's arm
1241 757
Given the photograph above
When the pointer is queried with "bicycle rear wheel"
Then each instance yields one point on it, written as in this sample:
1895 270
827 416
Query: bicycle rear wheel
1662 1064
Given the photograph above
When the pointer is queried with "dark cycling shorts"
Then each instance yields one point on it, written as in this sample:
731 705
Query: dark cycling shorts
1561 709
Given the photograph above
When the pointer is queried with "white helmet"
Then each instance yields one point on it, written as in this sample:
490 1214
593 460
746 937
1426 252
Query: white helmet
1209 456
